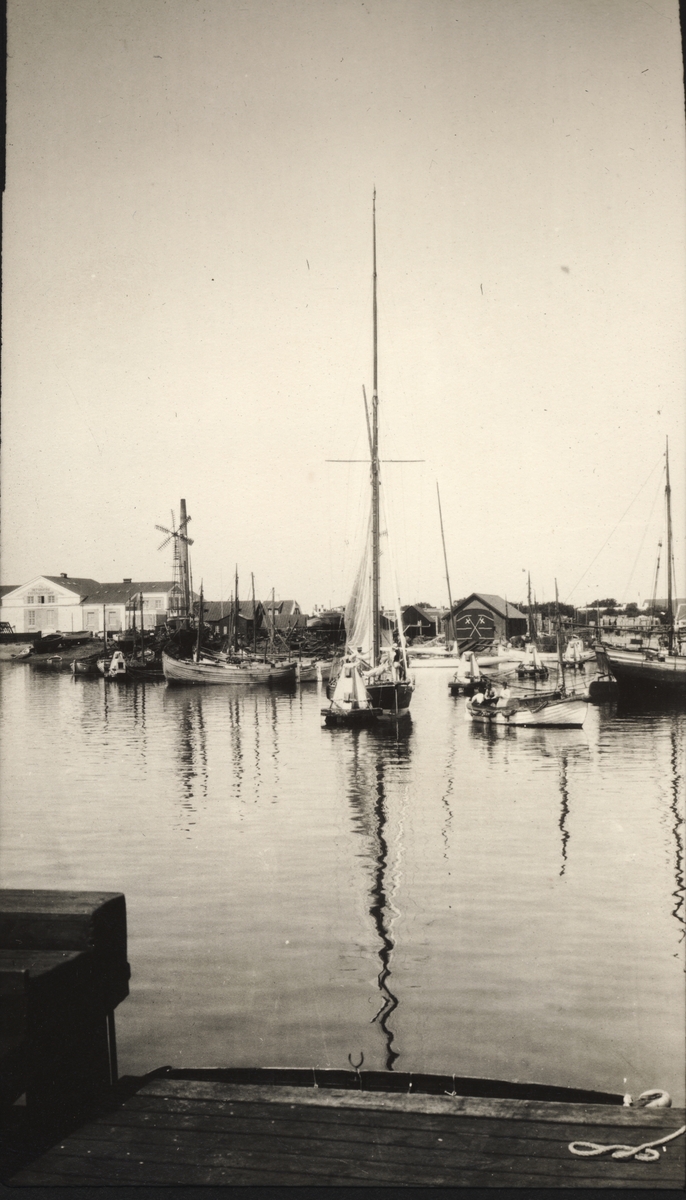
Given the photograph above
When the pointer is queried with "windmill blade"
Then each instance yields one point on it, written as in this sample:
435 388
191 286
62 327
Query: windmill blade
163 529
165 542
182 537
183 524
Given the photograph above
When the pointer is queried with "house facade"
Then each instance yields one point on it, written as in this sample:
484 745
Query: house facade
52 603
485 617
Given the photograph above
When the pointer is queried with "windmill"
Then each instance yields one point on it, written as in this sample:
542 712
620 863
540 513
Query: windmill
180 566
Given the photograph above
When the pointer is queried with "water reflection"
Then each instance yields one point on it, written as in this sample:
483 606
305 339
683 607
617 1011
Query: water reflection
190 743
374 755
676 750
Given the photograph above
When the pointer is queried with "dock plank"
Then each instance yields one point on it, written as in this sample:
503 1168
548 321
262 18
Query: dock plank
202 1132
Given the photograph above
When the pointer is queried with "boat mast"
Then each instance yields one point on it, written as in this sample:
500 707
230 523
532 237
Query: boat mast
201 613
235 632
558 634
532 627
451 619
670 605
376 622
254 617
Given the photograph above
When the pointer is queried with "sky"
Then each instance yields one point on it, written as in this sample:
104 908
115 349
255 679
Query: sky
187 292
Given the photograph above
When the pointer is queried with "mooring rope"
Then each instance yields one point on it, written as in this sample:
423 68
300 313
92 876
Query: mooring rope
644 1152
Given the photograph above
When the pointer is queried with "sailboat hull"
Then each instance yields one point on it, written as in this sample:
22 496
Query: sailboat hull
390 699
641 672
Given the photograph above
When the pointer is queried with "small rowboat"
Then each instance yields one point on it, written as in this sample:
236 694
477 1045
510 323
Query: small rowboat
562 712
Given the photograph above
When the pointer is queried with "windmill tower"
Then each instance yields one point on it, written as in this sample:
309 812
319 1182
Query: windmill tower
181 573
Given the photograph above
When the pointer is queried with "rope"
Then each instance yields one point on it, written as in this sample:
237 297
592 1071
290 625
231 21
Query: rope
644 1152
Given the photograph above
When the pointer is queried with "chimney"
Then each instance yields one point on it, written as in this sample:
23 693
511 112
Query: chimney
63 575
127 581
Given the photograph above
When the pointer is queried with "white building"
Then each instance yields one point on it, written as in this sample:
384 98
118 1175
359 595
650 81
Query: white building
50 603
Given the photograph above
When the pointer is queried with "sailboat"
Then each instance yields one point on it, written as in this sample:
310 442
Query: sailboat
652 673
532 665
374 680
207 668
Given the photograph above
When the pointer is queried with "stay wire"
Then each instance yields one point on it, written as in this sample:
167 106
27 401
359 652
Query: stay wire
611 535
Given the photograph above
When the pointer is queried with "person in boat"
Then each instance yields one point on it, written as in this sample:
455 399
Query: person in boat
504 697
398 660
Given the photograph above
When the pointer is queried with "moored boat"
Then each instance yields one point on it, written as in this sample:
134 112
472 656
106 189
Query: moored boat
214 671
553 710
647 672
374 680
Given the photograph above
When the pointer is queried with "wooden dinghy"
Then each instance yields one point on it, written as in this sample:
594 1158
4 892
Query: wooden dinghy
361 1129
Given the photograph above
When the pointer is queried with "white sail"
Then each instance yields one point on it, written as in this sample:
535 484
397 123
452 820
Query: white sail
358 610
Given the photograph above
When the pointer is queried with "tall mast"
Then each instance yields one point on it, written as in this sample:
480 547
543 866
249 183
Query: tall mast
235 632
376 622
254 616
451 621
183 559
670 606
532 627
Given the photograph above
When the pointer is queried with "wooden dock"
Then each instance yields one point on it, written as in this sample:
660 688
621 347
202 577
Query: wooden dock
204 1131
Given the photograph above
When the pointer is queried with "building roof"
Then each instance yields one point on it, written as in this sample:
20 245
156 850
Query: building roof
282 607
218 610
502 607
8 587
121 593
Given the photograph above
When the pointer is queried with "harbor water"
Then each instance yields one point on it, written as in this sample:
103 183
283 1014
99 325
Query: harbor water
436 898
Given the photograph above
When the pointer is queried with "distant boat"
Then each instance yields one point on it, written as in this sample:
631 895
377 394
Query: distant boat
467 676
576 655
650 672
531 665
374 680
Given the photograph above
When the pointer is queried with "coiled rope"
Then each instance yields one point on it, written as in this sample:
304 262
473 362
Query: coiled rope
644 1152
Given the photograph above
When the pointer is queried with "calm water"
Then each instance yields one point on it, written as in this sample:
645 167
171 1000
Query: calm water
452 899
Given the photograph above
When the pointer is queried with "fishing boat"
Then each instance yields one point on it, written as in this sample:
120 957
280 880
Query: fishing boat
215 671
222 669
374 681
653 672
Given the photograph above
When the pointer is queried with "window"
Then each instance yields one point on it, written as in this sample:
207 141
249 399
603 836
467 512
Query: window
158 602
90 619
30 600
112 622
32 619
51 598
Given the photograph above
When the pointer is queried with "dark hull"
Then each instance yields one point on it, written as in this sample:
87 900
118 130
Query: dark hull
393 699
642 675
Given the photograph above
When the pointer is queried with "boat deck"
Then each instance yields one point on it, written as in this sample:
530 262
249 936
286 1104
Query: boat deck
189 1131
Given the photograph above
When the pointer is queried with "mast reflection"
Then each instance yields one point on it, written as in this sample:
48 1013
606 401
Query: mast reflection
564 809
676 750
375 754
191 743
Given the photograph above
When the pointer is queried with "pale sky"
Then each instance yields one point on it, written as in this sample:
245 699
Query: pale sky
187 290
